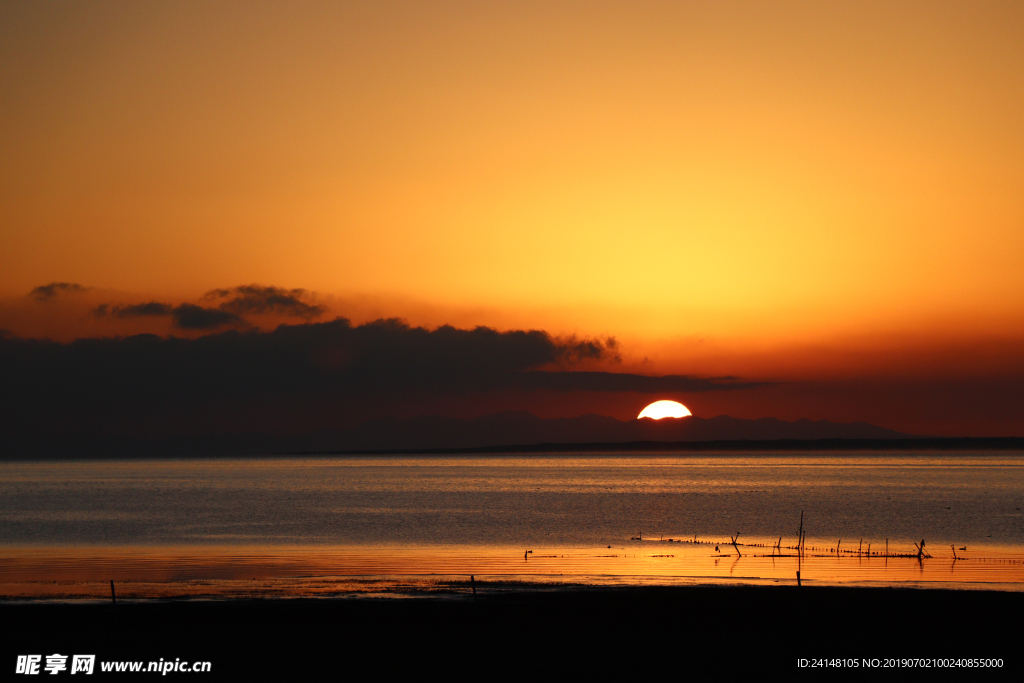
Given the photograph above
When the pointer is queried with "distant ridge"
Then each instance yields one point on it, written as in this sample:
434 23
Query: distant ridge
508 432
958 444
516 429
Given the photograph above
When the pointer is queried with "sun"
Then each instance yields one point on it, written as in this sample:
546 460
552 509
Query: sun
660 409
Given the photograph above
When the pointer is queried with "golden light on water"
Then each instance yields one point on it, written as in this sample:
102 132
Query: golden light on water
662 409
147 573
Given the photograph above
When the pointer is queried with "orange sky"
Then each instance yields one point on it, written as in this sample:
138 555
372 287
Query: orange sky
746 188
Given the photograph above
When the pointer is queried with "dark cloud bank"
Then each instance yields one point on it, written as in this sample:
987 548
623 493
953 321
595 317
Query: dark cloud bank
96 394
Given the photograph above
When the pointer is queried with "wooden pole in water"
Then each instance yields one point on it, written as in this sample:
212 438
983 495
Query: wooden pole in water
800 532
113 596
798 555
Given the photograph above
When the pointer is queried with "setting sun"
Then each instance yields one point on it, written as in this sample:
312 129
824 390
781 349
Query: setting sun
660 409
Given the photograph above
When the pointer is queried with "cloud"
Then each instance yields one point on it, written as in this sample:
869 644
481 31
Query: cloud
191 317
152 308
573 350
54 289
183 316
643 384
333 358
308 374
240 301
255 299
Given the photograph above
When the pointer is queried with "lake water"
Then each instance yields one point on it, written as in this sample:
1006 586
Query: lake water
343 525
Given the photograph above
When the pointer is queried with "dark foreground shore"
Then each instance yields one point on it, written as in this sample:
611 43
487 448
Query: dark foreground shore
510 632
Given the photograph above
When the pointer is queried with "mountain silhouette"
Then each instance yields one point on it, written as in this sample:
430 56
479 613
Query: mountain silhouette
507 432
522 428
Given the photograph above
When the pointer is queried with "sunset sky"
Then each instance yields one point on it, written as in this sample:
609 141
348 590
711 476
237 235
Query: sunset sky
824 197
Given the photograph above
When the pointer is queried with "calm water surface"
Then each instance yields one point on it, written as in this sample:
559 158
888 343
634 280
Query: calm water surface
380 516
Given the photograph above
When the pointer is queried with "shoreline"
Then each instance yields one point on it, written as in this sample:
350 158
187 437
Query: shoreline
432 587
455 587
